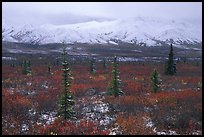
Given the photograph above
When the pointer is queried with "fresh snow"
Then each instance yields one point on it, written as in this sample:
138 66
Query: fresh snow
140 30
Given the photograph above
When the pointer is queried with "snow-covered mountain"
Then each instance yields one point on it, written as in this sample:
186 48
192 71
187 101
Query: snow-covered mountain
140 30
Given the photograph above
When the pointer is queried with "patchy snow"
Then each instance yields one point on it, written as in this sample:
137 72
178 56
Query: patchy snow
39 123
101 107
147 109
197 132
29 83
79 48
115 130
112 133
105 121
11 90
165 132
141 59
49 118
169 132
161 133
196 49
129 59
97 111
148 121
137 51
27 52
24 127
26 92
172 132
45 85
112 42
8 58
15 51
32 112
150 124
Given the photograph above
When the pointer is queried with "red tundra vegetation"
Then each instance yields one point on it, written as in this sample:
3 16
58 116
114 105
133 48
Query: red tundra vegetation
29 102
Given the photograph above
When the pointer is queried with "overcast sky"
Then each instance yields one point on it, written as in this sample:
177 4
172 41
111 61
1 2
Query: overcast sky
73 12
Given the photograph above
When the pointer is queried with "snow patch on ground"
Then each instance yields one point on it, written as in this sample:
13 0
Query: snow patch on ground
129 59
196 49
112 133
11 90
197 132
32 112
15 51
29 83
97 111
137 51
101 107
142 59
170 132
147 109
45 85
165 132
24 127
115 130
106 120
48 117
27 52
149 122
8 58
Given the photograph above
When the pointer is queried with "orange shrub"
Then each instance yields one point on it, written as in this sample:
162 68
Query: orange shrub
133 125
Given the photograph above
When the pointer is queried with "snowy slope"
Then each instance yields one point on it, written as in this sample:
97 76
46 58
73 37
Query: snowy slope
146 30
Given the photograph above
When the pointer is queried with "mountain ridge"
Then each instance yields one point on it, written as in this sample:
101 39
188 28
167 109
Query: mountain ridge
142 31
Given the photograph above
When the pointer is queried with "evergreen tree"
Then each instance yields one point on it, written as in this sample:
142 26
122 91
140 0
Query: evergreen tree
49 69
66 100
170 66
104 63
26 67
114 88
92 66
29 70
155 81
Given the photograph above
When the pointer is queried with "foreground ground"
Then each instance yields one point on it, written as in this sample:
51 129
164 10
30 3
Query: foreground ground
29 102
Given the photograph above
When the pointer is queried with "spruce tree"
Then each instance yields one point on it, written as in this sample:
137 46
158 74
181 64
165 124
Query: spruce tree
170 66
29 70
26 67
49 69
66 100
155 81
114 88
104 63
92 66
